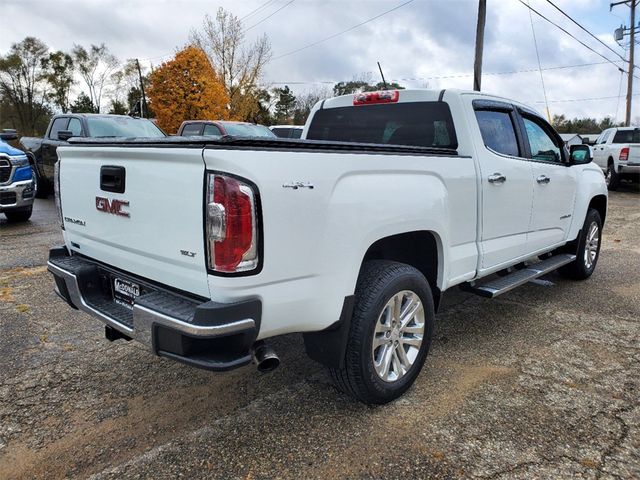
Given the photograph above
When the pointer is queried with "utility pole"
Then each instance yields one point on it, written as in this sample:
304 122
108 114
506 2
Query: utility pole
632 23
143 107
477 66
632 38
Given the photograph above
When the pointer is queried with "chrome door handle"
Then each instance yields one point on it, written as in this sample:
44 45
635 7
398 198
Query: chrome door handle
497 178
543 179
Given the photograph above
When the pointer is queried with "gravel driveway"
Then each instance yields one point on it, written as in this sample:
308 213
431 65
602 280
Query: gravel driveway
543 382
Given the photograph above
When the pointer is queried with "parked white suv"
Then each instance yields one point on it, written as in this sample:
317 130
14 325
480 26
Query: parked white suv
203 248
617 152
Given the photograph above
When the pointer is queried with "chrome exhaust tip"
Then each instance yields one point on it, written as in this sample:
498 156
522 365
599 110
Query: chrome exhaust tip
265 357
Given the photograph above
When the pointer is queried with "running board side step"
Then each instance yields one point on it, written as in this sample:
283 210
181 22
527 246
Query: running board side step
501 285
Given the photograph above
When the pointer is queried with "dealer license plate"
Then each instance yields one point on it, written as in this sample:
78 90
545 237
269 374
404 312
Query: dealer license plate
125 292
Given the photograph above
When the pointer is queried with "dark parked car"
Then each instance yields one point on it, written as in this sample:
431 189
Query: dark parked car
287 131
195 128
42 151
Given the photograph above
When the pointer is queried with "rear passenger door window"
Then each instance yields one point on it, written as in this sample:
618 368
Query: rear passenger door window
192 129
211 130
498 132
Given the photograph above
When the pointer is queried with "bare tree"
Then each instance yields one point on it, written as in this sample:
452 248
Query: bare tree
306 101
95 67
22 82
238 64
59 75
124 80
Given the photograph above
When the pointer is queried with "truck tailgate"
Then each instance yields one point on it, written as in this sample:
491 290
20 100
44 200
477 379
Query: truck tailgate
154 228
634 154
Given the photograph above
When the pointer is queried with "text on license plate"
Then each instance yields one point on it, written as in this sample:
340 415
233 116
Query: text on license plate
125 292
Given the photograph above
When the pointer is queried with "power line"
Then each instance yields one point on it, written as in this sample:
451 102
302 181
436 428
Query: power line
568 33
342 32
583 28
255 10
444 77
268 17
535 44
585 99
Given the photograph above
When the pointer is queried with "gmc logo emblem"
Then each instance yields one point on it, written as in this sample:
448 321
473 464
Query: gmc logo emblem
113 207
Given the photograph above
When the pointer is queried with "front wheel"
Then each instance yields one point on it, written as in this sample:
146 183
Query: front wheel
390 333
588 250
19 215
41 185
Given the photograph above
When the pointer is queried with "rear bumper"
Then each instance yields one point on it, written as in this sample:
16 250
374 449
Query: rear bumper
204 334
16 195
633 168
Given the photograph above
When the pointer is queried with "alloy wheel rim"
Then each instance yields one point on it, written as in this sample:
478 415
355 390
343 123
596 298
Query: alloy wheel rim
591 245
398 336
607 177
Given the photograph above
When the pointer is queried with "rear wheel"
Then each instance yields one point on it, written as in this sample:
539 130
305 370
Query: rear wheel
19 215
612 178
390 333
588 250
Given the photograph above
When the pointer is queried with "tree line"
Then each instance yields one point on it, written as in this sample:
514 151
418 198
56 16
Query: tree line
217 75
583 125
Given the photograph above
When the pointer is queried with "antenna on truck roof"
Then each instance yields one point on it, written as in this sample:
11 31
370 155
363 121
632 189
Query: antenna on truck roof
384 82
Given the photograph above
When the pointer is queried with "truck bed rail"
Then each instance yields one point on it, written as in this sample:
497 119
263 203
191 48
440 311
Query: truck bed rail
244 143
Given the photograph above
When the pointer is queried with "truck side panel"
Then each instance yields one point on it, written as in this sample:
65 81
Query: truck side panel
315 238
589 185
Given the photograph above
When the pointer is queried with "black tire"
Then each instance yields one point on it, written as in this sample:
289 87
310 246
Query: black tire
379 282
612 178
41 185
580 268
19 215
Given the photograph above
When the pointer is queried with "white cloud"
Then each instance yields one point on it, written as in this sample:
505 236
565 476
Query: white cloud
424 39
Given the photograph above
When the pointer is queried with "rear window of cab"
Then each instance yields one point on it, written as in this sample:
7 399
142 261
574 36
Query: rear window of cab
422 124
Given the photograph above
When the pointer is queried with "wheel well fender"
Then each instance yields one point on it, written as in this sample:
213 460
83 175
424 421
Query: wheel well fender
420 249
599 203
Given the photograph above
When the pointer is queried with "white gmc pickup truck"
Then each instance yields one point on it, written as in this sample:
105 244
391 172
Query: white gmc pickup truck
202 248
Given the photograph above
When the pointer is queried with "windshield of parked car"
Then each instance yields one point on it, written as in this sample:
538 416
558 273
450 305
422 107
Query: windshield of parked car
287 132
627 136
423 124
247 130
114 126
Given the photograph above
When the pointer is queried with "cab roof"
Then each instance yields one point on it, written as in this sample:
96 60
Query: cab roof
423 95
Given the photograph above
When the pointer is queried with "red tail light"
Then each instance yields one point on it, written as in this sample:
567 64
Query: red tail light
368 98
624 154
232 237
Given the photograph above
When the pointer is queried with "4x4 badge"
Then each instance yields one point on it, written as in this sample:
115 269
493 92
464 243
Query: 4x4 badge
297 185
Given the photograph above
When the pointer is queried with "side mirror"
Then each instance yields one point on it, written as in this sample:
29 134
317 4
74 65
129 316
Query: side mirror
580 154
65 135
8 134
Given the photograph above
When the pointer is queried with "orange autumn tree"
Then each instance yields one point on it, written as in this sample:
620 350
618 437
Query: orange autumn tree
187 88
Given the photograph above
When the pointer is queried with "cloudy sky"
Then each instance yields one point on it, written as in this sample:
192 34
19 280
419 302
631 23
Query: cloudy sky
424 42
